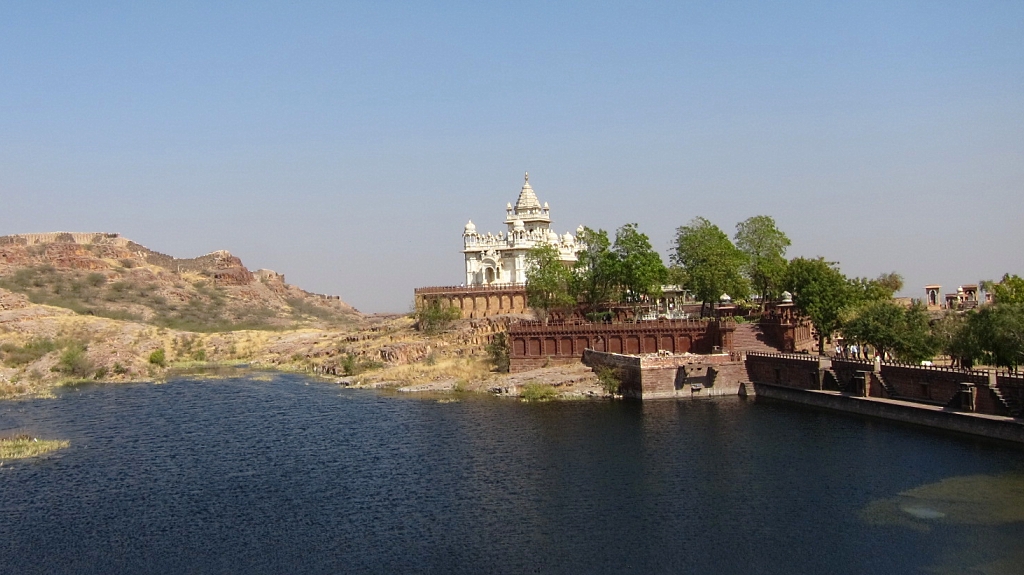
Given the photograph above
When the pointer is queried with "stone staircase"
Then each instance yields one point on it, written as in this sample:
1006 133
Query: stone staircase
1012 404
831 381
749 337
890 391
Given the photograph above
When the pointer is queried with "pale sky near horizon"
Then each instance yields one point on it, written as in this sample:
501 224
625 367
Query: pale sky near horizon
347 144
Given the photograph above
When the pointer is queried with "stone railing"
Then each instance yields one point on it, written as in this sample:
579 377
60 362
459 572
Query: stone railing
506 287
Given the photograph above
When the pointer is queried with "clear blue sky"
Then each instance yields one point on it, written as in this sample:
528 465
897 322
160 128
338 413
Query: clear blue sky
346 144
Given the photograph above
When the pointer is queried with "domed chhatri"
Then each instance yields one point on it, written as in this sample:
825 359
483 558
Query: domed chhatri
501 259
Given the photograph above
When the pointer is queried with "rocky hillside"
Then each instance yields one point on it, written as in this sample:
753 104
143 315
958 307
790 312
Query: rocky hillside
109 276
77 307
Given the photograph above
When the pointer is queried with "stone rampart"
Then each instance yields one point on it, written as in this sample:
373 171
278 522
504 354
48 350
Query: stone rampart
66 238
476 301
534 344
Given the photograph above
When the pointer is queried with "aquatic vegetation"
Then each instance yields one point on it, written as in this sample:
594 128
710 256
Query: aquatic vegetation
963 500
24 446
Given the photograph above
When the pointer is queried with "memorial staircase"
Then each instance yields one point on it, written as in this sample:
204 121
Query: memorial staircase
749 337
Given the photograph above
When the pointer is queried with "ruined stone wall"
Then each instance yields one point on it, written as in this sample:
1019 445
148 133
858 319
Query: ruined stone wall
65 237
671 376
626 369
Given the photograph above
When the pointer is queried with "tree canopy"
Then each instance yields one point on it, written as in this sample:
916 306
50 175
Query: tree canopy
821 292
884 287
640 269
547 280
764 246
595 274
1009 290
710 260
992 334
889 327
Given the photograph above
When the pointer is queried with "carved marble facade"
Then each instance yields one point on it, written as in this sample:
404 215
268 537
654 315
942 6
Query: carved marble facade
501 259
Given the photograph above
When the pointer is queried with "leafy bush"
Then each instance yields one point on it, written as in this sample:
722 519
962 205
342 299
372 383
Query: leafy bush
533 391
74 361
352 365
158 357
609 380
497 352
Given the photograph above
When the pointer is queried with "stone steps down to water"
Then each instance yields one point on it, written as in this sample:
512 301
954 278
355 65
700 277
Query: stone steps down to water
749 337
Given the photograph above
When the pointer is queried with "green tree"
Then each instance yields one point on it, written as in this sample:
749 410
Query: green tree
882 288
890 327
955 338
1009 290
764 246
821 292
548 281
595 274
711 262
640 269
998 331
433 316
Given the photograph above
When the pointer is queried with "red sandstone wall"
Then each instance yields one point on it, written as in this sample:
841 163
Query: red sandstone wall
789 370
932 385
529 341
788 337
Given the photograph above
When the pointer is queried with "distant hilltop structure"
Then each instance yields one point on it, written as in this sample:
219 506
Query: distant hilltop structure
501 259
105 238
965 297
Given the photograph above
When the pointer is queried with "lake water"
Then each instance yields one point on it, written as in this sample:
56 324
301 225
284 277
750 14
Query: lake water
290 475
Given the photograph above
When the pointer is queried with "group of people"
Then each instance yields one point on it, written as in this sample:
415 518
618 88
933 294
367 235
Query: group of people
854 351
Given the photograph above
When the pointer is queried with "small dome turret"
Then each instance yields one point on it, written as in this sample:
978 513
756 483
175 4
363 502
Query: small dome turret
470 228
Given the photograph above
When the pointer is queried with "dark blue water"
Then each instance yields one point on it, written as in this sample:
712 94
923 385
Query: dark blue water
297 476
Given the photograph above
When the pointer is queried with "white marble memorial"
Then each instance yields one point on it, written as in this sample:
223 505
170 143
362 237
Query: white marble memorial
501 259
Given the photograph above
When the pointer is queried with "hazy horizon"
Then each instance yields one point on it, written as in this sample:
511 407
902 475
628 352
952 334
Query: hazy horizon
346 146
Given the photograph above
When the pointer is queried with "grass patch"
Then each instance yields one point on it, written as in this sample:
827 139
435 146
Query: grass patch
16 356
24 446
533 391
